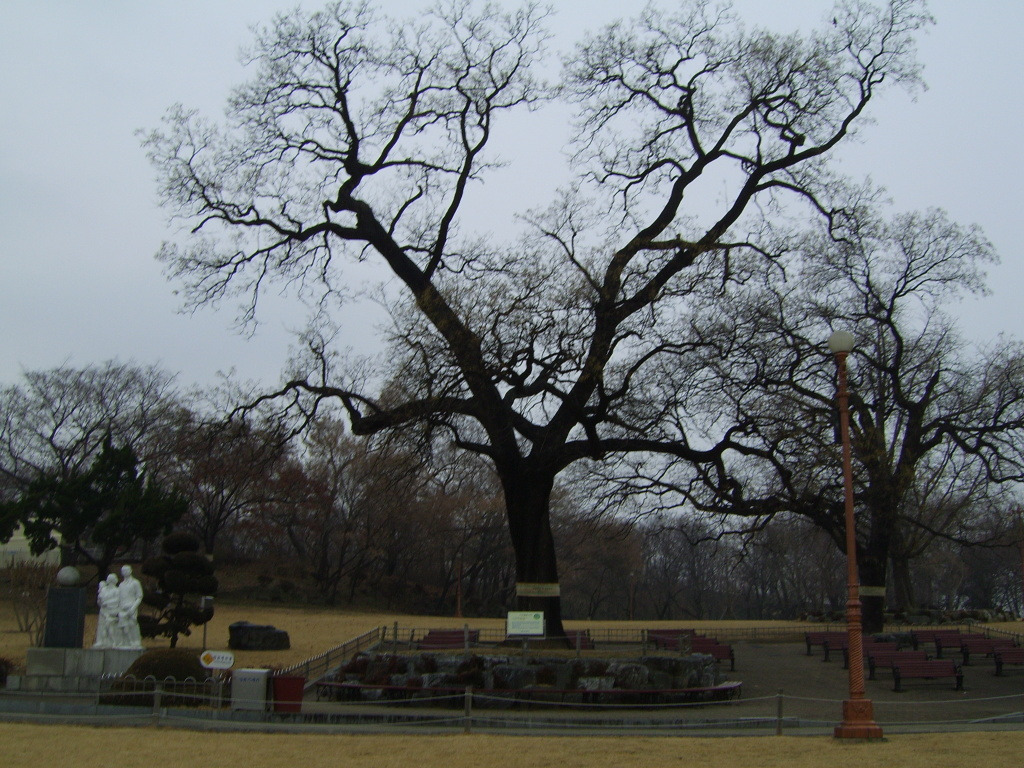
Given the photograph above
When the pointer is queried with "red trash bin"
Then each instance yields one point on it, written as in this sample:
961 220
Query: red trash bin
287 692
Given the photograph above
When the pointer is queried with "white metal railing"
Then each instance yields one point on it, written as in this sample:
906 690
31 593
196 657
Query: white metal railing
315 667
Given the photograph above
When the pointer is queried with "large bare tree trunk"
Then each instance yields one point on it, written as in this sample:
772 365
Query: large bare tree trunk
528 505
873 560
872 574
903 584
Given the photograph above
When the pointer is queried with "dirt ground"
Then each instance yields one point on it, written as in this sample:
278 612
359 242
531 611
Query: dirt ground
811 685
31 746
310 630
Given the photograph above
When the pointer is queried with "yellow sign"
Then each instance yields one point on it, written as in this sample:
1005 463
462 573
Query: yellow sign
537 589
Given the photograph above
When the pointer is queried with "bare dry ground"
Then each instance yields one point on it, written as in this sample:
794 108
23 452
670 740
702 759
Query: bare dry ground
310 630
31 746
313 631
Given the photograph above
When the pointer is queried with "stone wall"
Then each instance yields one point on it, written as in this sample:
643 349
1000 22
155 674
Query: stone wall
371 676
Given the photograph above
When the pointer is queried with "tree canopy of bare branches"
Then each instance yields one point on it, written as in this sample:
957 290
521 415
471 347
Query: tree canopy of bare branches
936 424
360 141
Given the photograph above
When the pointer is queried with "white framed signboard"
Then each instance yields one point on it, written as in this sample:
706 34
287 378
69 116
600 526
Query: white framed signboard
217 659
525 623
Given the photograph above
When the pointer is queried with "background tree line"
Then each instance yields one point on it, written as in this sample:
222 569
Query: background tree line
338 519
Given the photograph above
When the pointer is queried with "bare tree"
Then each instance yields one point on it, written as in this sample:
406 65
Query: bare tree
360 139
228 470
57 420
53 423
348 511
933 420
601 564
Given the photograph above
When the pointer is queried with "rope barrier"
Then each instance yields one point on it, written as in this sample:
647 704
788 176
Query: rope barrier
400 707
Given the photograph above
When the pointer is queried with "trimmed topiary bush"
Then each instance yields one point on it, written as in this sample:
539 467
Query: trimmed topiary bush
184 575
177 671
161 663
179 541
6 667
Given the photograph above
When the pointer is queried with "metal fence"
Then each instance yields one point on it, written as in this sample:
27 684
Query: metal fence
197 703
320 665
398 637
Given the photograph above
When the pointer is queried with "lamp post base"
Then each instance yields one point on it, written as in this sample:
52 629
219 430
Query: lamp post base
858 721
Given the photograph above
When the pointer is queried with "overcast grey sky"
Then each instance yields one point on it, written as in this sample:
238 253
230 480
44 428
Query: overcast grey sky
79 223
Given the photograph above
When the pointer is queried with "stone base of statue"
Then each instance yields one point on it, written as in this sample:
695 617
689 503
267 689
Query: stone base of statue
65 617
72 669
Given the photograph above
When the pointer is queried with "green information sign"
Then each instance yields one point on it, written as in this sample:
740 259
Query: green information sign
525 623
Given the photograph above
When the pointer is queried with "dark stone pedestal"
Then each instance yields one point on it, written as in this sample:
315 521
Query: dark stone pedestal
65 617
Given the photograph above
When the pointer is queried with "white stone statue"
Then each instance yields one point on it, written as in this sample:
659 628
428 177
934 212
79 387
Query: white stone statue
129 598
108 599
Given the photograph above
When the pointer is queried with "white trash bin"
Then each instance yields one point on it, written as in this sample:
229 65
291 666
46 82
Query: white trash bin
249 689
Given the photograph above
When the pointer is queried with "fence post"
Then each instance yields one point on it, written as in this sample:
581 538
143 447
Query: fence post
394 640
778 713
156 704
465 637
467 709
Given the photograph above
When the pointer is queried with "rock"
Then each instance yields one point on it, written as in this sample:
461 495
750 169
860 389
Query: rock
438 680
68 576
605 683
660 680
243 636
631 676
378 671
512 676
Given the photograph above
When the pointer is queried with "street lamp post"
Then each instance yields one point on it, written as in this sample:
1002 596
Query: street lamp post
858 711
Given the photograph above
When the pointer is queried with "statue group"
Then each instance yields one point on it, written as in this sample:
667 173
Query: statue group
118 624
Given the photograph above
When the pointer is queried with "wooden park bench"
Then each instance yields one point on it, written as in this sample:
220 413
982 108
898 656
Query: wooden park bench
868 646
670 639
949 645
711 646
939 638
580 639
840 641
444 639
885 658
822 638
932 669
1011 655
681 639
982 646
